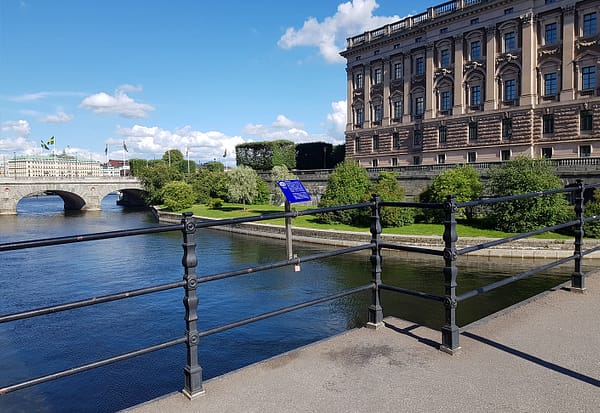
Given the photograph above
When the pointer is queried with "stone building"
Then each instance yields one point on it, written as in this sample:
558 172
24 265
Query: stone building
50 166
476 81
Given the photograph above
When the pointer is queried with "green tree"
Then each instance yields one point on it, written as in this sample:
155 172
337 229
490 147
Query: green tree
178 195
279 173
524 175
389 189
347 184
263 156
154 178
209 184
463 182
592 208
242 185
215 166
263 192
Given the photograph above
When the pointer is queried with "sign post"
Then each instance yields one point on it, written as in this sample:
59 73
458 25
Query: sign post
294 191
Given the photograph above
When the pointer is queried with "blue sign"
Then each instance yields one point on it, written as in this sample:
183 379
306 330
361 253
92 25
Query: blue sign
294 191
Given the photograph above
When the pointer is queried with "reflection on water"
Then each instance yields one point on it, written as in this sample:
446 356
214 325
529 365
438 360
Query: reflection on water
52 275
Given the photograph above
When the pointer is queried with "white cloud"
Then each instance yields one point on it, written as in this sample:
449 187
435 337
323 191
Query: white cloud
330 35
14 136
119 103
336 121
284 128
60 117
149 142
16 128
32 97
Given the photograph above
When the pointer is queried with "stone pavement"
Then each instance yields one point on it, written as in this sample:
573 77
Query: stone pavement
541 356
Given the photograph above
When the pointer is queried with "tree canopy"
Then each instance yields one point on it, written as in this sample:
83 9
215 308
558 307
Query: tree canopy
263 156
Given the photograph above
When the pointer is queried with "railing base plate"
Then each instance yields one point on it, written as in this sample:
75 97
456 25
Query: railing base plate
448 350
374 326
193 396
576 290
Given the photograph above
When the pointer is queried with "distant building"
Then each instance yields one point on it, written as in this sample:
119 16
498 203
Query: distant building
476 81
50 166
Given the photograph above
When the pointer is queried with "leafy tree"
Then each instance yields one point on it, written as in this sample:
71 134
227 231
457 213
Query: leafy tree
154 178
463 182
519 176
263 192
173 157
388 188
242 185
264 155
347 184
215 166
136 165
279 173
178 195
592 208
209 184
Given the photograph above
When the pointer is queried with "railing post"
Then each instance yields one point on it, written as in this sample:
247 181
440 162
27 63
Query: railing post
192 371
375 310
450 331
578 277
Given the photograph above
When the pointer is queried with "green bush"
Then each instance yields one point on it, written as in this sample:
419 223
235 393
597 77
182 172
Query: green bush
592 208
215 203
263 192
388 188
178 195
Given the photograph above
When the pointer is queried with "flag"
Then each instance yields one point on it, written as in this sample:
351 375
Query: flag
125 147
225 153
51 141
106 149
44 145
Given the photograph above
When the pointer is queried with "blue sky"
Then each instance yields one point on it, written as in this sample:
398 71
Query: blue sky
196 74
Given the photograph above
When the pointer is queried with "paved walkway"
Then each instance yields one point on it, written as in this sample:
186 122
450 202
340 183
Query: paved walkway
542 356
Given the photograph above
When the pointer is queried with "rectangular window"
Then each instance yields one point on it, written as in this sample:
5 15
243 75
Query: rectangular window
356 145
550 84
375 163
443 30
510 90
358 82
548 123
585 151
550 34
475 50
588 77
589 24
378 112
471 157
474 21
508 11
475 95
396 140
445 58
417 137
442 134
472 131
377 77
509 42
441 158
507 128
505 155
397 109
375 142
585 120
419 66
446 101
394 161
397 71
416 160
547 153
359 117
419 106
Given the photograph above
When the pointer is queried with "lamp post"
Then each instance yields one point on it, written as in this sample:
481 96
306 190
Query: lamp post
15 165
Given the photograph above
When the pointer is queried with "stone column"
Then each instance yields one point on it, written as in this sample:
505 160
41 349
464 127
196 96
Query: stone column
387 80
350 100
568 72
407 104
367 106
529 61
459 103
429 92
491 89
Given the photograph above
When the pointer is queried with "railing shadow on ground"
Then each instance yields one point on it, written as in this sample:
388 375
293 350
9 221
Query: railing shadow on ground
190 283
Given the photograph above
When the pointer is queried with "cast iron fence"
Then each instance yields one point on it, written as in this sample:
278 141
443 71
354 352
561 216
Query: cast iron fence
190 282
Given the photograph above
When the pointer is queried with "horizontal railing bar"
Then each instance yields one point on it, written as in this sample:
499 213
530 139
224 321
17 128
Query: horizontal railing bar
514 197
592 218
509 280
90 301
283 263
590 250
90 366
412 205
411 249
512 238
285 310
276 215
11 246
414 293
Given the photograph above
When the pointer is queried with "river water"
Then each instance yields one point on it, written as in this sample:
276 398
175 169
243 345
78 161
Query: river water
51 275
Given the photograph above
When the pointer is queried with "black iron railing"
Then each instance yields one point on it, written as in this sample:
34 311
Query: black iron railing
191 282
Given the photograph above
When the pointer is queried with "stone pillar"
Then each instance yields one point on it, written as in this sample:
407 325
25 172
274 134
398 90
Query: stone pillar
529 61
459 96
491 89
568 90
429 92
350 100
407 104
387 80
367 89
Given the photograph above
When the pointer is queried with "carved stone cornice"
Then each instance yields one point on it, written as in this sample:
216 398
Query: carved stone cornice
473 64
507 58
547 51
441 72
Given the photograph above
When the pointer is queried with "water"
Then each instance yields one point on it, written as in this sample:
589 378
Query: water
51 275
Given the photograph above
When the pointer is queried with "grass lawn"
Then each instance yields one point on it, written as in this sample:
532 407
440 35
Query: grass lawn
237 210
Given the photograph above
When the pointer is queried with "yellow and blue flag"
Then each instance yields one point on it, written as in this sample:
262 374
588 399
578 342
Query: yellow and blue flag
43 145
51 141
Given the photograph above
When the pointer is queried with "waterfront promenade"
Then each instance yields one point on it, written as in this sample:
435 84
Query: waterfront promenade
538 356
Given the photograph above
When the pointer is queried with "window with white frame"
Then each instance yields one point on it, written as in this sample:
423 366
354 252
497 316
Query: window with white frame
475 95
505 154
586 120
419 106
358 116
397 71
585 151
397 109
358 81
589 26
471 157
377 76
377 113
550 84
510 42
550 33
475 50
588 77
546 153
419 65
441 158
444 57
510 90
446 100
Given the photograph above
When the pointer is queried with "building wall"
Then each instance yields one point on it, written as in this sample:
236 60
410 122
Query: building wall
476 81
47 166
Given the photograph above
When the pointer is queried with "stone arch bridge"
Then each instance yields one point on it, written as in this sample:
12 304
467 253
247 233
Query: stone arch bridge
77 193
